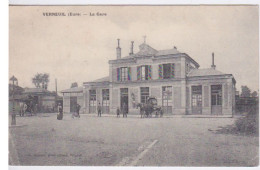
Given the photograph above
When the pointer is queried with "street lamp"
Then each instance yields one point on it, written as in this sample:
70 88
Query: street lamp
13 80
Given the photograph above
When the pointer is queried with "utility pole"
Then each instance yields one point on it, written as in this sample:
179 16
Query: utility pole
12 80
56 96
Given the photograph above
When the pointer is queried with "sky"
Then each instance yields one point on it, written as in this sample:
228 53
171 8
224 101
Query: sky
77 49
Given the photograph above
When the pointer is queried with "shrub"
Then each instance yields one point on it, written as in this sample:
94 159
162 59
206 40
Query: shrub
249 123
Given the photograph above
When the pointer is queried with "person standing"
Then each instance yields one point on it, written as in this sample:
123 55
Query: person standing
60 112
24 109
21 108
99 110
124 110
117 112
78 109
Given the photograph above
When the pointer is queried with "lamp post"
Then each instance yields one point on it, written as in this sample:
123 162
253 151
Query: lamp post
13 80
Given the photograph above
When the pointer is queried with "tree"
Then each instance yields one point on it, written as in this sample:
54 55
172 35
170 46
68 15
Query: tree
254 94
41 80
75 84
245 91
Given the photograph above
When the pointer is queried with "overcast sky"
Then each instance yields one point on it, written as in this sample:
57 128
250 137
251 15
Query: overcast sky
77 49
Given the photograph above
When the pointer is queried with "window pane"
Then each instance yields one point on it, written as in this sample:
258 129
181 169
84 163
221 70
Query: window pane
144 94
166 71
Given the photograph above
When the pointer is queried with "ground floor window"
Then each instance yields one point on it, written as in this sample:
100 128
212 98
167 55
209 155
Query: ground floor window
167 99
105 100
197 96
92 101
144 94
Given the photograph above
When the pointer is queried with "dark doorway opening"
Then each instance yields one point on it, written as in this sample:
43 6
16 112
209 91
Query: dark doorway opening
73 104
124 98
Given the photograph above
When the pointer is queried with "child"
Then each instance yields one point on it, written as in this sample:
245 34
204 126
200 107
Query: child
117 112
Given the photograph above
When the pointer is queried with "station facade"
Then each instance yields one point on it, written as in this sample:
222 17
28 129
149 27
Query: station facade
174 78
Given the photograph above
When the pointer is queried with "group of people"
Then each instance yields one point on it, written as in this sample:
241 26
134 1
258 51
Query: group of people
60 112
124 111
99 110
118 111
27 107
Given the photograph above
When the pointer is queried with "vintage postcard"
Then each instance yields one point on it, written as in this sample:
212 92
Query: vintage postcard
140 85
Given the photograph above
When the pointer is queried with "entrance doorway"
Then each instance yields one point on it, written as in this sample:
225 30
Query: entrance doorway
196 99
167 99
73 104
124 98
216 99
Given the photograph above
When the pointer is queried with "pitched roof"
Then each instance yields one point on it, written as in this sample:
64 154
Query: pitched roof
35 90
147 50
73 90
102 79
167 52
204 72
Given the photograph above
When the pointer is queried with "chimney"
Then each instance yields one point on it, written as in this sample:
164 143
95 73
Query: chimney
118 50
213 65
132 48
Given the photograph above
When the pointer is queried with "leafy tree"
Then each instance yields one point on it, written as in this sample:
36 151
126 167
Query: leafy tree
245 91
41 80
254 94
75 84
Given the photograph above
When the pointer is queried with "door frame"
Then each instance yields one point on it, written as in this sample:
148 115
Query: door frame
198 99
124 95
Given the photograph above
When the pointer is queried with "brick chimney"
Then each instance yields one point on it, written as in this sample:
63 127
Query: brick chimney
132 48
213 65
118 49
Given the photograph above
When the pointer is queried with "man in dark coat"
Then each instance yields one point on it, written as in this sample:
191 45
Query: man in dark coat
60 112
124 110
117 112
78 109
99 110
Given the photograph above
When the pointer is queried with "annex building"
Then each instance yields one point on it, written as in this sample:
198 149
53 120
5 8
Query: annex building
174 78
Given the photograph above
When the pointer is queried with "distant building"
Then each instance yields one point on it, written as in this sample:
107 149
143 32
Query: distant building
173 77
72 97
43 98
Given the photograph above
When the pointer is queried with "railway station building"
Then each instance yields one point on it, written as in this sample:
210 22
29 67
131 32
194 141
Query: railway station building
173 77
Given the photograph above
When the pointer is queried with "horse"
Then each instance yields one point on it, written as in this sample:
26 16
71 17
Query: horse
145 109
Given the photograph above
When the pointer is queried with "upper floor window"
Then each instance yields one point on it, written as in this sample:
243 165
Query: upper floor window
144 72
123 73
166 71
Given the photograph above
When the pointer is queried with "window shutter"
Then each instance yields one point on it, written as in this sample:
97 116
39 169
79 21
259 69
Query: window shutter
138 73
149 72
118 74
160 71
129 73
172 70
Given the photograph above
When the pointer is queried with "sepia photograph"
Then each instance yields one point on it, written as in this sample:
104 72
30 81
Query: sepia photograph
134 85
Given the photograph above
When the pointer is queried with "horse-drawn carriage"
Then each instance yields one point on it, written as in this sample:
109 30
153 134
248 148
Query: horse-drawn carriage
150 107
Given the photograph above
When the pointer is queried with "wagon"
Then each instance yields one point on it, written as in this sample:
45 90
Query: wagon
150 107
